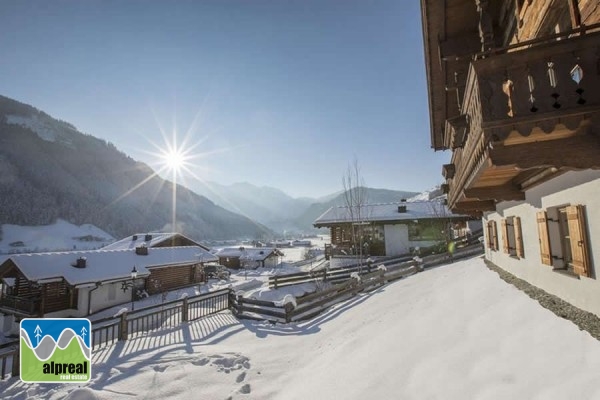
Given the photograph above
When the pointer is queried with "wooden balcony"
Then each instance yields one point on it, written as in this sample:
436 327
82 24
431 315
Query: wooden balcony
531 112
19 305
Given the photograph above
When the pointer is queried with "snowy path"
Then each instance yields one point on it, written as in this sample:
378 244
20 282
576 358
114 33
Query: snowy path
452 332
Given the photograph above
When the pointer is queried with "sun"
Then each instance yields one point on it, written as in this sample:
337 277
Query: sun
174 159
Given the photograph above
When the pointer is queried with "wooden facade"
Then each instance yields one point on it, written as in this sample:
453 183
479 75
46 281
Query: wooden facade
163 279
513 93
32 299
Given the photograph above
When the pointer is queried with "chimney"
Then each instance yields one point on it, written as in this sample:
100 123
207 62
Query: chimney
134 238
148 237
80 263
401 209
403 200
141 250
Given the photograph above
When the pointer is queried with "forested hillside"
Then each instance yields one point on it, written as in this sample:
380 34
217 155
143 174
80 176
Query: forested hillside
49 170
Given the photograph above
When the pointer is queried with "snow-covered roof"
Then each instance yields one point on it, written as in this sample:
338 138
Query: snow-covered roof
104 265
150 239
249 253
387 212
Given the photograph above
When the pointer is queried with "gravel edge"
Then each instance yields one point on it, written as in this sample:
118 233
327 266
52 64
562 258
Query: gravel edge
586 321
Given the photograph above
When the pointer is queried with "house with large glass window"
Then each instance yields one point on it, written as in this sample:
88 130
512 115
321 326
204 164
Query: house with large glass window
391 229
514 95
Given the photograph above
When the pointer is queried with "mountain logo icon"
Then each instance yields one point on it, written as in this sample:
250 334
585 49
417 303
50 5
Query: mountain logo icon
56 350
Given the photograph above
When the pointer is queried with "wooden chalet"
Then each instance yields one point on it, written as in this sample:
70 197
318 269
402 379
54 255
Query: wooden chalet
249 257
78 283
153 239
514 95
389 229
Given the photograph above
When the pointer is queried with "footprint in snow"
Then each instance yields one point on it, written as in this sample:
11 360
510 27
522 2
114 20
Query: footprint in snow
240 378
160 368
201 362
245 389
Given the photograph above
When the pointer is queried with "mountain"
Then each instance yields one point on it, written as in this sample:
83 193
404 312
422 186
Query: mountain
50 171
373 196
279 211
269 206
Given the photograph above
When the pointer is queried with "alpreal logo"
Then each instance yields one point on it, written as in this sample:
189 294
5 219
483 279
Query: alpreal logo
55 350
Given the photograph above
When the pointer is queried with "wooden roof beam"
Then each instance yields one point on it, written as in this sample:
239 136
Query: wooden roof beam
504 192
578 152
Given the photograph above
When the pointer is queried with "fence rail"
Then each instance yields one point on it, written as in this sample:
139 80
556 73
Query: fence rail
344 287
333 275
167 315
312 304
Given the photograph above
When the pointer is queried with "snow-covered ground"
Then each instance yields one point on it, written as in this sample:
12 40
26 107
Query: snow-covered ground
60 236
452 332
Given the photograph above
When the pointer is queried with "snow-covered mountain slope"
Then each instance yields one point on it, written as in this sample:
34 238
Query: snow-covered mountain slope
430 194
61 235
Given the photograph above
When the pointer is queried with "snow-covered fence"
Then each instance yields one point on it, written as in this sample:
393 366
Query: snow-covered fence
312 304
166 315
332 275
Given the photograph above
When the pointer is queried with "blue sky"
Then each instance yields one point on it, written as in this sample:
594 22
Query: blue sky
275 93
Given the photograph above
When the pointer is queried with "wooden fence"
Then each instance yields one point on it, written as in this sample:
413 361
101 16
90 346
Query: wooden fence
166 315
312 304
332 275
130 324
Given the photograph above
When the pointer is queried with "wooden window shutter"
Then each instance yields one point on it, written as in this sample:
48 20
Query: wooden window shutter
578 239
494 235
505 244
518 237
489 235
542 225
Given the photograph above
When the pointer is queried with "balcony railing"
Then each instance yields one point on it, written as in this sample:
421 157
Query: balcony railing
539 86
18 304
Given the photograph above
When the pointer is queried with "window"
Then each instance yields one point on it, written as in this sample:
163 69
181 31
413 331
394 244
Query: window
492 235
563 239
512 240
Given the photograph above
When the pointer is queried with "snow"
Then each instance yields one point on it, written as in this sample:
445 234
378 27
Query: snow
104 265
45 127
60 236
451 332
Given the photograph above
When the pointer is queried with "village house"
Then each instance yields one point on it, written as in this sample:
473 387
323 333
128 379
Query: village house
79 283
514 95
390 229
249 257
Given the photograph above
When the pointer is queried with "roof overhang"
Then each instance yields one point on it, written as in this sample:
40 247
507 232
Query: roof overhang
450 35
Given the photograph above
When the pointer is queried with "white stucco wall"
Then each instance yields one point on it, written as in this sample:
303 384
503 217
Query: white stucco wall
396 239
271 262
107 295
571 188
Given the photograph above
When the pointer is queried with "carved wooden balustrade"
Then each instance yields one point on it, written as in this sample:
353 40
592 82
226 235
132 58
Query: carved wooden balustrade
541 86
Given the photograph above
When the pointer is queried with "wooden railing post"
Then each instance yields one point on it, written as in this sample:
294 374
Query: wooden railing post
123 327
16 362
289 308
184 310
275 282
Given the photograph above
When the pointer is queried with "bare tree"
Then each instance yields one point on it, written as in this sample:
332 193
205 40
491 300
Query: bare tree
356 200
